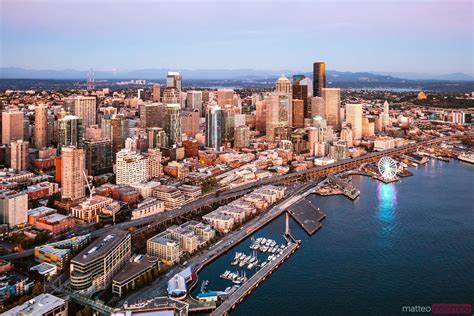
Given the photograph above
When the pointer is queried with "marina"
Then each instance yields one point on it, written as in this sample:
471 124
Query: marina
254 281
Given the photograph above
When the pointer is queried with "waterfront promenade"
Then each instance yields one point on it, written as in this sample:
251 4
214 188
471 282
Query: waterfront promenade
150 223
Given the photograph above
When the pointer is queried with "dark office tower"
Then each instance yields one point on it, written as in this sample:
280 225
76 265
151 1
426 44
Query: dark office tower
300 92
118 132
98 157
71 132
152 115
319 78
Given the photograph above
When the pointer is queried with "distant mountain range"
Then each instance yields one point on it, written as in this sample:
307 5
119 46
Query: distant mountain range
223 74
457 76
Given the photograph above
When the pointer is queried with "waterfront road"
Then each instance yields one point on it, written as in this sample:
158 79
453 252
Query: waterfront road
211 198
158 287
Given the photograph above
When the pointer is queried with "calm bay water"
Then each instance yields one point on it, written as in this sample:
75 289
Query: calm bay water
401 244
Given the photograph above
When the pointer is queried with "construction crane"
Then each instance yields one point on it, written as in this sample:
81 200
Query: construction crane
91 188
91 80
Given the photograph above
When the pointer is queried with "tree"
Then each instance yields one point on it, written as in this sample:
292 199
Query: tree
38 288
41 238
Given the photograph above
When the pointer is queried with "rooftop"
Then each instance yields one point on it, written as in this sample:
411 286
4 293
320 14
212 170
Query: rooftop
41 211
100 246
38 305
137 265
43 268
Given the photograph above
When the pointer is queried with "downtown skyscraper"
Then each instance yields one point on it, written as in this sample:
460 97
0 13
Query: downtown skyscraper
214 127
41 126
319 78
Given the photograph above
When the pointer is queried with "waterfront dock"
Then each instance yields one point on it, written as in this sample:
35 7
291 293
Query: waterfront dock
349 190
306 215
254 281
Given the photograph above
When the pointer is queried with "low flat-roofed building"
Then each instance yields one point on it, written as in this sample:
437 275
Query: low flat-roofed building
90 208
202 230
40 190
172 197
39 212
268 195
191 192
48 219
59 253
138 266
164 248
187 239
158 306
145 189
236 212
257 200
322 161
13 283
93 268
45 269
42 305
220 221
247 206
9 175
149 206
55 223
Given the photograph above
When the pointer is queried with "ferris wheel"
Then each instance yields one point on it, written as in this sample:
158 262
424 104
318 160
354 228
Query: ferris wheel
387 168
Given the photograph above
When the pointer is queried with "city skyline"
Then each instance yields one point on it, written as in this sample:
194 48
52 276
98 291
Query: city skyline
424 36
242 157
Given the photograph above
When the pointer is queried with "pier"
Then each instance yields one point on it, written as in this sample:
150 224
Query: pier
306 215
254 281
349 190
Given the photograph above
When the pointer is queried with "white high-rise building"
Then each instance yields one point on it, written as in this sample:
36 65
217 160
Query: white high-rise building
131 167
13 208
386 115
354 117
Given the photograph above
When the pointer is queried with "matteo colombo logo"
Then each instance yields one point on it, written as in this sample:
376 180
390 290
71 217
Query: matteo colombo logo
446 309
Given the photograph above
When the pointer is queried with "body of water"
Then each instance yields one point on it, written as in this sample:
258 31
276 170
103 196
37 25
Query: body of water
401 244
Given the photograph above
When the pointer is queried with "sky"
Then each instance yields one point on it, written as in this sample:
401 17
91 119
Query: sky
423 36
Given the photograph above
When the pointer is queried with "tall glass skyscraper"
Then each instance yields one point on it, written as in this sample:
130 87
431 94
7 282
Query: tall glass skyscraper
319 78
71 132
214 127
173 123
